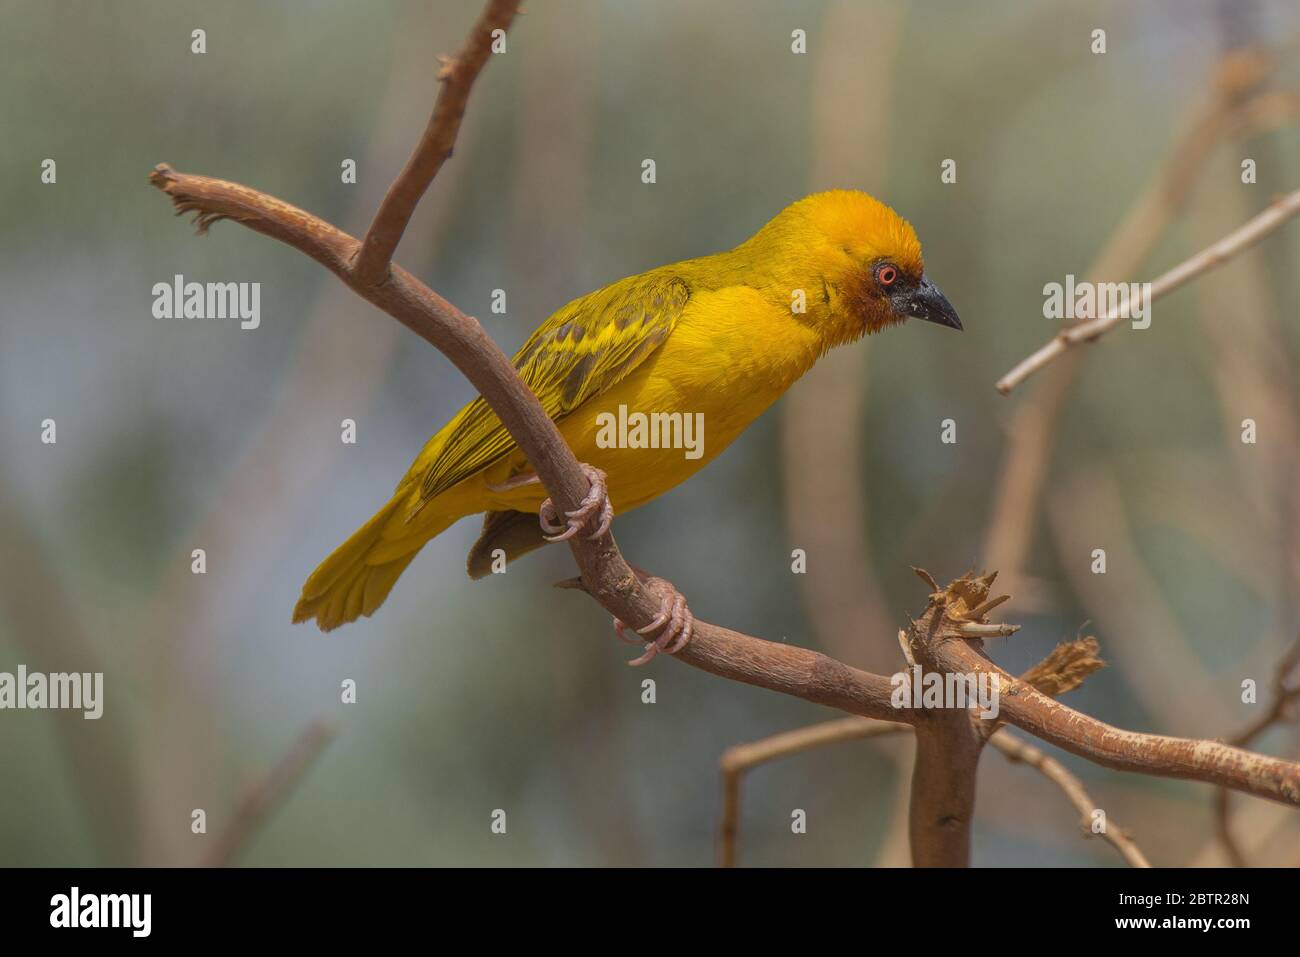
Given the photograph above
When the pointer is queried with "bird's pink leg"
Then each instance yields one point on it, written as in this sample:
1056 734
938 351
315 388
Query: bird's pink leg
675 623
595 502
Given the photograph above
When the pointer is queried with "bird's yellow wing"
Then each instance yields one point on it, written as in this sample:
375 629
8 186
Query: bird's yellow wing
580 352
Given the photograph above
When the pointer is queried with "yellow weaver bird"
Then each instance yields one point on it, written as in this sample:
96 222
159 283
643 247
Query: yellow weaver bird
723 336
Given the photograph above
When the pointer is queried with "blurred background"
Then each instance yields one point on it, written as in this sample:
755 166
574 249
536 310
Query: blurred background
504 694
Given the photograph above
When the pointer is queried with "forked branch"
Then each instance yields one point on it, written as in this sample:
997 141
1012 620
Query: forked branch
457 76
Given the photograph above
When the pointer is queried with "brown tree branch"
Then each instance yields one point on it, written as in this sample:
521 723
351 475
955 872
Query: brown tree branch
1022 751
1279 710
457 77
1212 257
1211 762
264 797
943 789
742 758
950 741
1025 707
1068 665
1283 695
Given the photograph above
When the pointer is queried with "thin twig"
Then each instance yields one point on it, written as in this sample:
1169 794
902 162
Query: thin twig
1171 682
1283 698
1031 434
54 633
263 798
1019 750
1211 257
738 760
457 77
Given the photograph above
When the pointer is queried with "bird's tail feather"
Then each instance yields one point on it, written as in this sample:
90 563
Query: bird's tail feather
358 575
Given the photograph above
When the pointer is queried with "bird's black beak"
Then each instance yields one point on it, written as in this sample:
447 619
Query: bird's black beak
925 301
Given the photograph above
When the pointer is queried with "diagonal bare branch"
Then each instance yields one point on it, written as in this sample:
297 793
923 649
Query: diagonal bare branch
1279 711
457 76
1212 257
1234 108
737 761
266 795
1019 750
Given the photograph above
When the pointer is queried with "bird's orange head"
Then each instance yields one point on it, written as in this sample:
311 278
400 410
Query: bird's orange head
858 261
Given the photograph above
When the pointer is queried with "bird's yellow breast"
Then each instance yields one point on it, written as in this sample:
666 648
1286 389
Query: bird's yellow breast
732 354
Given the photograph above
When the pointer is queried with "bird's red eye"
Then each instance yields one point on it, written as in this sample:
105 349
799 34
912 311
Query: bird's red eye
887 275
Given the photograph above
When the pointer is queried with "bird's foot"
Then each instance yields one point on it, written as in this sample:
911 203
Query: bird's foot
596 502
675 625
